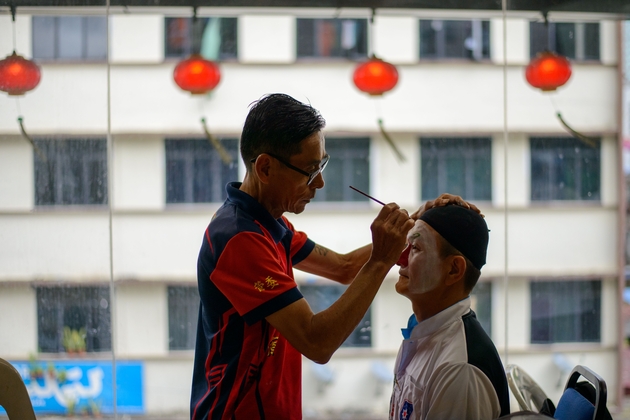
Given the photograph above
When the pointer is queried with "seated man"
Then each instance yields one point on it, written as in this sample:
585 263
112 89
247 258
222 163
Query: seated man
447 366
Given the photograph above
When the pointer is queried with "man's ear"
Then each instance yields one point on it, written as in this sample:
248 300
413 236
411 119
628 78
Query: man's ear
262 168
457 269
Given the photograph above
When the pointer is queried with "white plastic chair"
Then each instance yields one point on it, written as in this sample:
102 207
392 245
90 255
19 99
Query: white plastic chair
527 392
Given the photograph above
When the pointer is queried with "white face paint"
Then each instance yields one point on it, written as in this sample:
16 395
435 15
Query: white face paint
425 265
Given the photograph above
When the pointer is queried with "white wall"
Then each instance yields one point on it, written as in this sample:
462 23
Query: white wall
141 321
17 179
18 322
139 173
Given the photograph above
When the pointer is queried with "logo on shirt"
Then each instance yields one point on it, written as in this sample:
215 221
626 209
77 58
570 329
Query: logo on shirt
406 410
269 284
272 346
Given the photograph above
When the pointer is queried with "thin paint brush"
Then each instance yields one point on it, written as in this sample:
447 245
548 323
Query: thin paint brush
368 196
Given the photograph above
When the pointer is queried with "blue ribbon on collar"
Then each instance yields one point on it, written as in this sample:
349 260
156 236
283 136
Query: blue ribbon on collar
411 323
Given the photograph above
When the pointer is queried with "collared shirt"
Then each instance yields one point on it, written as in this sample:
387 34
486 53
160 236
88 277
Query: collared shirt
244 368
449 369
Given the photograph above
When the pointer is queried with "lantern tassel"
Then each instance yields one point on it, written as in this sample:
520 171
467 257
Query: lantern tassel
41 155
223 154
399 155
585 139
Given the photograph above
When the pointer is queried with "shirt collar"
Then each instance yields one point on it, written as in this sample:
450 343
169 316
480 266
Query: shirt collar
276 227
439 320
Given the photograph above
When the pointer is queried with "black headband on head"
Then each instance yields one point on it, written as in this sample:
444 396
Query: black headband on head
463 228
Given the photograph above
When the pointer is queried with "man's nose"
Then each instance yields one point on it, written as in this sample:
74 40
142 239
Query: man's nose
403 261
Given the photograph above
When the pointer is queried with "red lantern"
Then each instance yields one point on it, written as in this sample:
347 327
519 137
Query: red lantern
375 76
548 71
197 75
18 75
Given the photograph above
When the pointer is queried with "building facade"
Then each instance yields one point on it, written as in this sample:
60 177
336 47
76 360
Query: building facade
102 211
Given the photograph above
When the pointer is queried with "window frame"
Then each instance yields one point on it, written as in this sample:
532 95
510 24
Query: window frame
362 41
598 290
579 46
441 46
64 166
60 307
192 157
84 39
190 44
471 156
552 186
343 150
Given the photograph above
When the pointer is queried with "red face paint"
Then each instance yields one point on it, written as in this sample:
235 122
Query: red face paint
403 261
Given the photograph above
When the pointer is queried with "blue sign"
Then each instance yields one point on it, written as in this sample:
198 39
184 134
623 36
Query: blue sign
76 386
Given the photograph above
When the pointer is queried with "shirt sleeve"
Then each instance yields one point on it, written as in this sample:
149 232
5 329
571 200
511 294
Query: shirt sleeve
460 391
301 245
252 274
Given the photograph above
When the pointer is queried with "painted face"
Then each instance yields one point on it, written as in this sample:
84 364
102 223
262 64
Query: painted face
294 192
420 264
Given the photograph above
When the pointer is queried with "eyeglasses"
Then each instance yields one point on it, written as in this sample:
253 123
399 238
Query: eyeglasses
311 175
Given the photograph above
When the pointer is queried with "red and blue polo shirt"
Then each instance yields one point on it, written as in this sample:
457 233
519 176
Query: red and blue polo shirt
244 369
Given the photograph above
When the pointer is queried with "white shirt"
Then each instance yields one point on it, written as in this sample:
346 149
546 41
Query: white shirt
433 377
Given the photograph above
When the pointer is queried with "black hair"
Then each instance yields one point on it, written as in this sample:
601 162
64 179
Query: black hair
277 123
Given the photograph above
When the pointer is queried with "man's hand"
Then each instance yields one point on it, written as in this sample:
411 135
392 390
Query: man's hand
389 233
444 200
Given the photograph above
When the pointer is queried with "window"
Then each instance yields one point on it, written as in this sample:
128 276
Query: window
468 39
195 172
332 38
564 168
70 38
216 37
183 312
320 297
565 311
481 297
349 164
70 171
460 166
71 317
577 41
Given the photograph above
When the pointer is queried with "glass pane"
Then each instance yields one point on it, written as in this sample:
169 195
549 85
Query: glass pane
96 38
331 38
565 311
44 37
70 37
565 39
320 297
349 164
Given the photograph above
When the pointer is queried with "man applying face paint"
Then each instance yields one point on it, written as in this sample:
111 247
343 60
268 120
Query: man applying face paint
447 366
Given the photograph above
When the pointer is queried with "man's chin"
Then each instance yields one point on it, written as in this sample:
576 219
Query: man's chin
402 285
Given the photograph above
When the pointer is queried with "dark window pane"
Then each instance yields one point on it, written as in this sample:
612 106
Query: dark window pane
482 305
564 168
460 166
349 164
591 41
44 37
183 310
195 172
441 39
320 297
70 171
538 38
565 311
565 39
332 38
577 41
215 37
73 318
